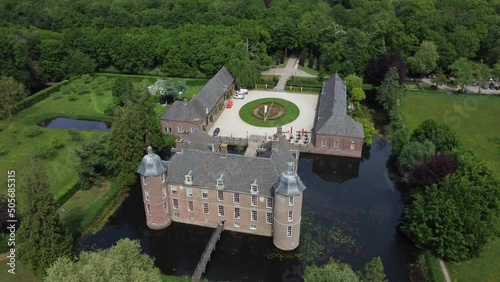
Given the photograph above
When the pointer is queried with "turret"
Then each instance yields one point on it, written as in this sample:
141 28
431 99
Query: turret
287 209
153 173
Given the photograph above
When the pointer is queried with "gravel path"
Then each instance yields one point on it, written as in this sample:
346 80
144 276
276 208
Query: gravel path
285 73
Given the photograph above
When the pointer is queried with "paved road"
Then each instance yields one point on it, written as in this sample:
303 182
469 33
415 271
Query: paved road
445 270
473 89
285 73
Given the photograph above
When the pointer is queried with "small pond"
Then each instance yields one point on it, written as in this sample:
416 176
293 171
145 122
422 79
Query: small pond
80 124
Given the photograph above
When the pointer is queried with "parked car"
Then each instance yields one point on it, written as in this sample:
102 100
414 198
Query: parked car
239 96
216 132
242 91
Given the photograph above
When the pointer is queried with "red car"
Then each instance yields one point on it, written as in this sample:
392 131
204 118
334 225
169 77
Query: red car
229 104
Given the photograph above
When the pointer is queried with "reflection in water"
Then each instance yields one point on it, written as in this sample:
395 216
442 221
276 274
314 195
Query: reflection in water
351 214
80 124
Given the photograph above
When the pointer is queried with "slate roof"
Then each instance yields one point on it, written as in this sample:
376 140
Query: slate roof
199 140
289 183
151 164
331 117
239 171
206 98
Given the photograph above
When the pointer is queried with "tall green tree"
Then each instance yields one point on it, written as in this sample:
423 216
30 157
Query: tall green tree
390 91
245 71
463 70
332 271
374 271
94 158
12 92
122 262
441 135
439 79
369 129
42 238
425 59
122 89
399 139
414 153
353 81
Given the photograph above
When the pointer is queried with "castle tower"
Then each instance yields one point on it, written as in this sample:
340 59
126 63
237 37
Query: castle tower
153 173
287 209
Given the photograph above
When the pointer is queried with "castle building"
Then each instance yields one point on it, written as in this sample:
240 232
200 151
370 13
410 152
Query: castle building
202 184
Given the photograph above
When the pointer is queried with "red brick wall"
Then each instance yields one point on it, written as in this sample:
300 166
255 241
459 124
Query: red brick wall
344 148
157 217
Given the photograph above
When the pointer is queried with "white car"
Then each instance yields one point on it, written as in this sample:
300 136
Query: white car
242 91
239 96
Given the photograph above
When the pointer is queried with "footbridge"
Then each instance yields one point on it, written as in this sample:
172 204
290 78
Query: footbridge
205 257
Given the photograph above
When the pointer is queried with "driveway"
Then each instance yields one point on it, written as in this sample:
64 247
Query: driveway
285 73
231 124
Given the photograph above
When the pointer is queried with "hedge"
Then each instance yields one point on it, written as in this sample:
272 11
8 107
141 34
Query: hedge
33 99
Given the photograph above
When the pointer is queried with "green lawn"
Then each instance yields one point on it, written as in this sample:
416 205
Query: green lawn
308 70
22 273
475 119
292 112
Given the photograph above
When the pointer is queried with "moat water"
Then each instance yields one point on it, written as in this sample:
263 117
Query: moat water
81 124
350 208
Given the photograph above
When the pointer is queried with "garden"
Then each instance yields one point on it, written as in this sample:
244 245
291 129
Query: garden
279 112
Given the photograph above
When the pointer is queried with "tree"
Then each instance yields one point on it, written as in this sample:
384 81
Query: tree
441 135
389 93
353 81
433 170
374 271
94 160
399 139
12 92
122 262
439 79
332 271
245 71
414 153
463 70
369 129
425 59
78 63
482 73
42 236
122 88
357 95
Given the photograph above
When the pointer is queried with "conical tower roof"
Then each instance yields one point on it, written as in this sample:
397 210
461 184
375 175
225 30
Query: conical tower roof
151 164
289 183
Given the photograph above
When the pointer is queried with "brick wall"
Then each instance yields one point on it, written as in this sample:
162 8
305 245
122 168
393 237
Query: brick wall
158 216
327 147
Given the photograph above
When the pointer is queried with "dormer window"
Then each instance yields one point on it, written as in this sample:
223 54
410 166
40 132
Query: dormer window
188 178
220 182
163 178
254 187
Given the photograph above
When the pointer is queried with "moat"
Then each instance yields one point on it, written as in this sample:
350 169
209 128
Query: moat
351 209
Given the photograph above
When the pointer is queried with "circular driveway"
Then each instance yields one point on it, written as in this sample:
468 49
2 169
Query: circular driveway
230 123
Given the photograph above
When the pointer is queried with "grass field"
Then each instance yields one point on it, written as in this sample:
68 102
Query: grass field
292 112
475 119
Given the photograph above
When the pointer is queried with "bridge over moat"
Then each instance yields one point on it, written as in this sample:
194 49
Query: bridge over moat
205 257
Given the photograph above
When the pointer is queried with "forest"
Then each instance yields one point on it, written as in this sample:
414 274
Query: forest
50 40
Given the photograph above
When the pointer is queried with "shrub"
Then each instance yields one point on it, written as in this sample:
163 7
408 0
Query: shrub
56 143
74 135
45 153
72 98
3 152
211 118
86 78
32 131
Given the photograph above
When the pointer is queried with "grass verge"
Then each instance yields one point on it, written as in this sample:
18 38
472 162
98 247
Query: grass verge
292 112
435 272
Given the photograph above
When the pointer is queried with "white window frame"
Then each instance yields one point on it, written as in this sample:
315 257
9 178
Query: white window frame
291 201
189 192
336 144
289 231
180 129
254 216
164 192
144 181
206 208
176 214
352 146
188 179
237 211
253 226
269 203
149 209
165 206
236 225
220 183
146 196
269 218
253 201
323 142
290 216
175 204
254 188
190 205
236 198
204 192
221 210
220 196
173 190
163 178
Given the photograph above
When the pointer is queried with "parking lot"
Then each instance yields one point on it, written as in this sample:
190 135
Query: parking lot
231 124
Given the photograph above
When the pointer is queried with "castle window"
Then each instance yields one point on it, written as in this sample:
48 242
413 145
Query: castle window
269 203
269 218
237 224
323 142
237 213
204 194
144 180
164 192
352 146
254 201
189 192
180 129
165 206
168 129
173 189
149 209
163 178
254 216
176 204
289 231
188 178
221 210
290 216
220 196
290 201
336 144
253 227
220 182
146 195
254 188
236 198
176 214
205 208
190 206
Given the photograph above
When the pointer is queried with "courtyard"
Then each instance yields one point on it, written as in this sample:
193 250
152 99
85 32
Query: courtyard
232 125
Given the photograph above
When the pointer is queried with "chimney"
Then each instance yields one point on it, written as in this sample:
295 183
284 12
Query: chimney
274 143
279 130
223 150
179 145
